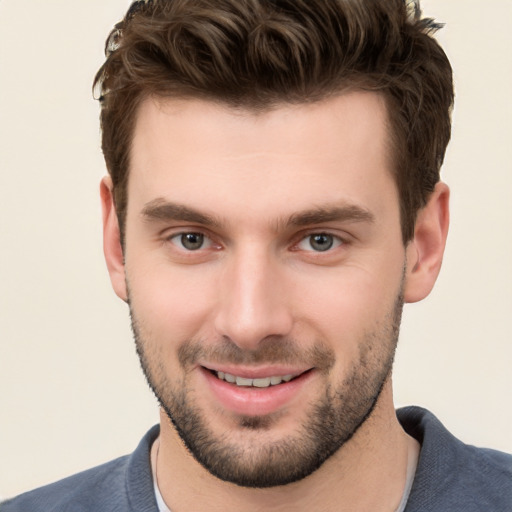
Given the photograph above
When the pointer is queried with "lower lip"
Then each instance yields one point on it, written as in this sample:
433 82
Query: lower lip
252 401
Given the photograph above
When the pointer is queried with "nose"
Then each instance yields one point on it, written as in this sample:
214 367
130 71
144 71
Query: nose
253 302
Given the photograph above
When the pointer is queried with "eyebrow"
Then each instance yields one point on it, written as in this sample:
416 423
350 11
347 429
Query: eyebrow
345 213
161 210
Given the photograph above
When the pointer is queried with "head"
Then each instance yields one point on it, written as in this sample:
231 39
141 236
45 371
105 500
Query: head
274 170
258 54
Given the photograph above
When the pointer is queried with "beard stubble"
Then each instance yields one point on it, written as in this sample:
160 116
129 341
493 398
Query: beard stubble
332 421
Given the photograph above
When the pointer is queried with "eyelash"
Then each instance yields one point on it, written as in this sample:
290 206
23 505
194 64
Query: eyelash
335 241
180 236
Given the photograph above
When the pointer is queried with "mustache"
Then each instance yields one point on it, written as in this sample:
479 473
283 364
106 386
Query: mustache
271 350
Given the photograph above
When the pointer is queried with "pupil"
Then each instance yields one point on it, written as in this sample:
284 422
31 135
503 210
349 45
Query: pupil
321 242
192 241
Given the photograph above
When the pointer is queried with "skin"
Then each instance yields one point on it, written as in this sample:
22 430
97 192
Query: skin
258 280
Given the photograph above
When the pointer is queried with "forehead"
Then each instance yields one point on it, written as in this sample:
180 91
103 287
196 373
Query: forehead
209 155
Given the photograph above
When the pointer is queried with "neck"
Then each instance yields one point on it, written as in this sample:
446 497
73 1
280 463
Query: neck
368 473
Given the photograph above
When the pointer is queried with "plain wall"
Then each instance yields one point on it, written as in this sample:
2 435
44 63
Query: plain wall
71 392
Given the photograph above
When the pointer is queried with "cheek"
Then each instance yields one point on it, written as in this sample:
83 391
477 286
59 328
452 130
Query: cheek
345 305
170 303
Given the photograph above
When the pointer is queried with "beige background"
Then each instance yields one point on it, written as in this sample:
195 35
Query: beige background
71 393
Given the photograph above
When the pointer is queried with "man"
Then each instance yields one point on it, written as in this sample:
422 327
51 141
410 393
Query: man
273 199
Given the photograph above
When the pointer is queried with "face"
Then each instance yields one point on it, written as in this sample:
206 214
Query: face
264 271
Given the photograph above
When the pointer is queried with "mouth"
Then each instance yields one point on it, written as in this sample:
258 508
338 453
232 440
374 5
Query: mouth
256 391
262 382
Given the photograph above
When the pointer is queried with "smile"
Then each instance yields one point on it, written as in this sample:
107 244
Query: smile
257 383
255 391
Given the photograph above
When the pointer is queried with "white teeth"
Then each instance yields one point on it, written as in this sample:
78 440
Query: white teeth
258 383
261 383
228 377
240 381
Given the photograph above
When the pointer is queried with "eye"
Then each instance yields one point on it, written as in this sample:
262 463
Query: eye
191 241
319 242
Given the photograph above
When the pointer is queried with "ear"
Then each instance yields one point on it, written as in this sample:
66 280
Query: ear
112 240
425 251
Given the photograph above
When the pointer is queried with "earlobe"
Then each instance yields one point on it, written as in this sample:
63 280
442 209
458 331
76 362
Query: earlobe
425 251
112 247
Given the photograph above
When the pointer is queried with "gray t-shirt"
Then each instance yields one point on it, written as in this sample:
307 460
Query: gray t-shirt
450 477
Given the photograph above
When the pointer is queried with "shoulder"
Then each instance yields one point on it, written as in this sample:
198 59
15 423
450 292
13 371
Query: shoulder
77 492
452 475
123 484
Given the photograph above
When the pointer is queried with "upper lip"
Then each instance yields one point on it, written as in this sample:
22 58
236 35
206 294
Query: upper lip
256 372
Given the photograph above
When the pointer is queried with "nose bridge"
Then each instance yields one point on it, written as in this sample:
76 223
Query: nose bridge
252 300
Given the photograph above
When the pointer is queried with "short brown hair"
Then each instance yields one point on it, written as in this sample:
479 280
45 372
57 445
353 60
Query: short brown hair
257 54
